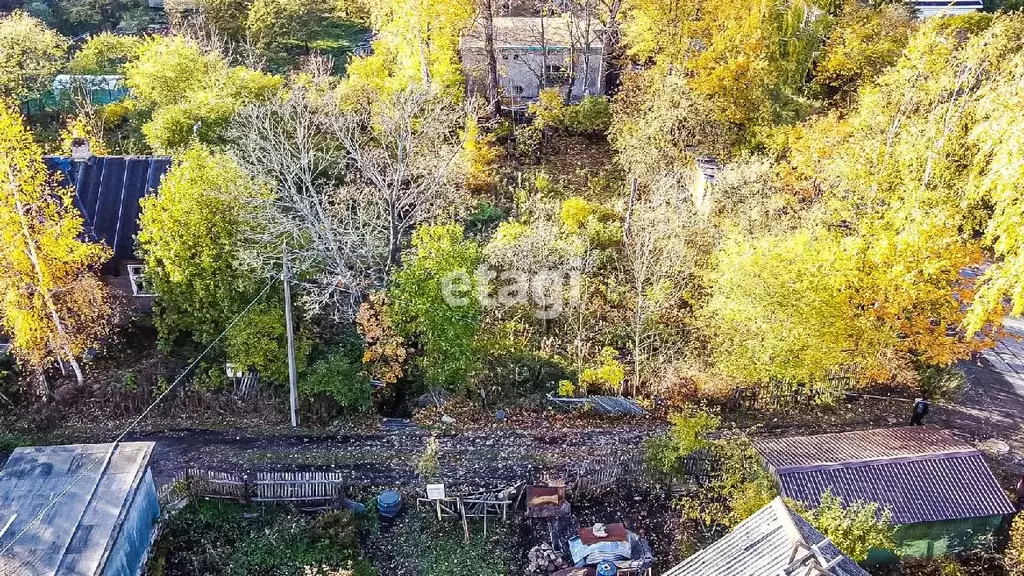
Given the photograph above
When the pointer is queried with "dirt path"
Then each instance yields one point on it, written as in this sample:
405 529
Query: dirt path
990 412
493 457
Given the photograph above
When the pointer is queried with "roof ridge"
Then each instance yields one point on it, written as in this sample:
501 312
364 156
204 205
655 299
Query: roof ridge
877 461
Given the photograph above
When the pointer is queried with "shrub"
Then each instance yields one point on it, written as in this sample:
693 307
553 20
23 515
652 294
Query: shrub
339 377
549 110
855 529
688 434
607 376
429 465
592 116
566 388
259 341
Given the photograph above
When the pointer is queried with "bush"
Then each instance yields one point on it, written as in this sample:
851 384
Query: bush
429 466
260 341
607 376
688 434
339 377
856 528
549 110
592 116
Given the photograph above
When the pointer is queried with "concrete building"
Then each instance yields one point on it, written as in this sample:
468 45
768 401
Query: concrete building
107 192
101 525
940 493
536 53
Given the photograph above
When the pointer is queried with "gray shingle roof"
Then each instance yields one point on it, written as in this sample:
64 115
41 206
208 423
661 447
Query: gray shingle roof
74 536
763 545
921 474
107 192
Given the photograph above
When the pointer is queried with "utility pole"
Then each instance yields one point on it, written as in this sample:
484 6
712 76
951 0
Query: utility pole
293 375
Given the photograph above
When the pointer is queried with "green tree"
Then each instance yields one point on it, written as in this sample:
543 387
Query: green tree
227 18
53 307
78 16
417 43
30 56
434 303
270 22
191 94
191 238
855 528
105 53
260 341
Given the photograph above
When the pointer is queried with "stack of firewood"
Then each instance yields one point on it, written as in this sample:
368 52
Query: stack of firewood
544 560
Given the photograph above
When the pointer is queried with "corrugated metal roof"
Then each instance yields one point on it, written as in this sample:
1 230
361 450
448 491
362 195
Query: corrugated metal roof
107 191
608 405
74 536
763 545
921 474
859 446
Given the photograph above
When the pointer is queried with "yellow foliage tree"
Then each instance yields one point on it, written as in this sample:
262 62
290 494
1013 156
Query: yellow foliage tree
53 306
417 42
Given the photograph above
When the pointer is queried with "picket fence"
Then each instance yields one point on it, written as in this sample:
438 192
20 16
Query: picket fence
278 486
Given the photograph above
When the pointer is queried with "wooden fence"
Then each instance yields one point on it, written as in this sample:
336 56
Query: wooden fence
595 477
308 486
779 394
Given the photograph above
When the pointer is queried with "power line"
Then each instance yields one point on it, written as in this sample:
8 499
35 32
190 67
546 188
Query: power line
135 423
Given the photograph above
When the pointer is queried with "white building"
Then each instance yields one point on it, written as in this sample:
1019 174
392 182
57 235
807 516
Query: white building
929 8
536 53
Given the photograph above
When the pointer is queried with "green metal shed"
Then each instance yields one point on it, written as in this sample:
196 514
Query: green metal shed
939 491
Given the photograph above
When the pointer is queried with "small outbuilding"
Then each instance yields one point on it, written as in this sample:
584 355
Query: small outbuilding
77 510
108 190
775 541
940 493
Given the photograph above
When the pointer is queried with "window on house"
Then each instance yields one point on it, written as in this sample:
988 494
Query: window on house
137 275
555 75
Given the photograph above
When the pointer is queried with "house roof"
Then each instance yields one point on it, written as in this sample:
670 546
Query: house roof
75 535
107 191
526 33
920 473
764 544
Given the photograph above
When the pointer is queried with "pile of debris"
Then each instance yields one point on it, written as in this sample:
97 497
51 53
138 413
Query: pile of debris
545 560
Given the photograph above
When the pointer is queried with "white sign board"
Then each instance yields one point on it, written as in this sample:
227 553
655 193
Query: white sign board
435 491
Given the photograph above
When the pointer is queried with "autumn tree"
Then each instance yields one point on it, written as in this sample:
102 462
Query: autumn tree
417 43
54 307
863 43
30 56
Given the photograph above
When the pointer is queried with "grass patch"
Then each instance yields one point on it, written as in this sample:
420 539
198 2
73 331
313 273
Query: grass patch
416 544
8 442
340 37
228 539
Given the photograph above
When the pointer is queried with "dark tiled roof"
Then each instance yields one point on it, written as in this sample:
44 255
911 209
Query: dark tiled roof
763 545
921 474
108 190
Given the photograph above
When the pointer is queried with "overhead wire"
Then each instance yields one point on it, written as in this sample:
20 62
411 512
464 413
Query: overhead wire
121 436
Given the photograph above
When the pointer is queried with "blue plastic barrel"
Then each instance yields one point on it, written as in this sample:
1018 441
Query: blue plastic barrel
389 503
607 569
